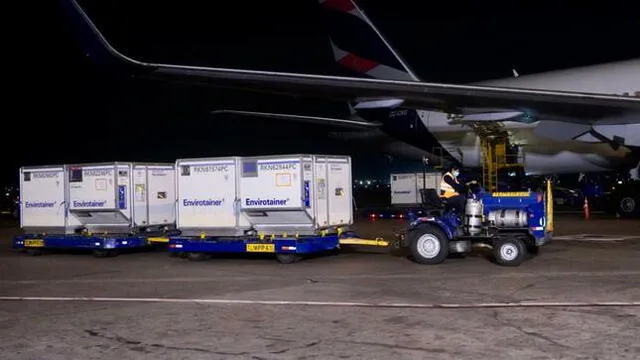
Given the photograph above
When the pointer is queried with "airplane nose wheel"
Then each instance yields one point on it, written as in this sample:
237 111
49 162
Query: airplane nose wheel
627 204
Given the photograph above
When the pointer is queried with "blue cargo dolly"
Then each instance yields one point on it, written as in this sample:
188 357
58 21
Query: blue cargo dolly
102 245
286 249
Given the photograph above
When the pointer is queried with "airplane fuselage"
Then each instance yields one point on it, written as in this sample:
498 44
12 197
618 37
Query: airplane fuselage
541 154
548 147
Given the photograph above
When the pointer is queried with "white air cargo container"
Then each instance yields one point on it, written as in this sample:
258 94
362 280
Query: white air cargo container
405 188
236 196
42 199
105 197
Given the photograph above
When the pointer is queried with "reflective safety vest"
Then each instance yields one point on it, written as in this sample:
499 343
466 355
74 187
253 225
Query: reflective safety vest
446 190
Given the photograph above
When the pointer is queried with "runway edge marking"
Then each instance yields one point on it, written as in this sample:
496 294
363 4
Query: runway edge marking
331 303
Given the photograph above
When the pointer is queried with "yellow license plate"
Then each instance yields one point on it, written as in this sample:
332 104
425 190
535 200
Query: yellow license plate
34 243
261 248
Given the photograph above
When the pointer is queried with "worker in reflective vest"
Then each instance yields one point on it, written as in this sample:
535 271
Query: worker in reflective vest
451 189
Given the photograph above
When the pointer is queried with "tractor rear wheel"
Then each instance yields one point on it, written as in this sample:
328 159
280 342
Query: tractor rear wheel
509 251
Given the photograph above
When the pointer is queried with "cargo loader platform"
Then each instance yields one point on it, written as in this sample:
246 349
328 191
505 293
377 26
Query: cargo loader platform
102 245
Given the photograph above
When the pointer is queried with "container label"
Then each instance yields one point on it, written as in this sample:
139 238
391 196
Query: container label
198 202
307 200
322 189
45 174
122 197
278 166
40 204
96 172
140 193
90 203
266 202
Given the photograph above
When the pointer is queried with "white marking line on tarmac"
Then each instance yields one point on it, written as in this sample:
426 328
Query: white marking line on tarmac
325 277
596 237
328 303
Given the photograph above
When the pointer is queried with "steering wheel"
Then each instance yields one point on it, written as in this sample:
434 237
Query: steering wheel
475 190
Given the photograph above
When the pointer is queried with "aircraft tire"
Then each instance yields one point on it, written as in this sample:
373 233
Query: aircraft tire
628 206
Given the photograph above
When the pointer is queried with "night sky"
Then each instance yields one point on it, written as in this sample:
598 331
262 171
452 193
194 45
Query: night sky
70 111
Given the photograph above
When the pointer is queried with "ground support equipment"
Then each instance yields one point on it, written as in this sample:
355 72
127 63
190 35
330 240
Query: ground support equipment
513 224
497 154
101 245
287 249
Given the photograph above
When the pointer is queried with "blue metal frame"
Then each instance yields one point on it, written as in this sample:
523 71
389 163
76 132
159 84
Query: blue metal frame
300 245
92 242
533 203
447 223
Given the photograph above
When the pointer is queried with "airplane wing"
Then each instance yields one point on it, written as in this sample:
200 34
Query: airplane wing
348 123
449 98
369 133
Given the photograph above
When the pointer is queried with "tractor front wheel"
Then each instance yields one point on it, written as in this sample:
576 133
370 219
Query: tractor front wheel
429 245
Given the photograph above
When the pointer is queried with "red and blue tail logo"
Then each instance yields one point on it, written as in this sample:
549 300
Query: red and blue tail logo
358 46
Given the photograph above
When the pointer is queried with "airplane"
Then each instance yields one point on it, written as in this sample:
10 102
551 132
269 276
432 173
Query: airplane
583 119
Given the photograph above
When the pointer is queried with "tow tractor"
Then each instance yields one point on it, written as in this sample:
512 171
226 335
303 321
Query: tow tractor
512 223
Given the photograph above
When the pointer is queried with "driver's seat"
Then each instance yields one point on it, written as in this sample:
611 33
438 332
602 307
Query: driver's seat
431 202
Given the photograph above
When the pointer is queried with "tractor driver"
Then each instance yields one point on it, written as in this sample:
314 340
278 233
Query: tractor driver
452 190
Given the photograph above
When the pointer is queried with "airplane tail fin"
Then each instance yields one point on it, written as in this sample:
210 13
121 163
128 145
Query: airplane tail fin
358 45
93 42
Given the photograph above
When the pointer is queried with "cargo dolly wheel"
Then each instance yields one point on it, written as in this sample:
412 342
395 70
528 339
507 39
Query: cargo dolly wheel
509 251
196 256
34 252
101 253
288 258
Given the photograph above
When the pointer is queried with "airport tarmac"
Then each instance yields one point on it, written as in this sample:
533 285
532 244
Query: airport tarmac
578 299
